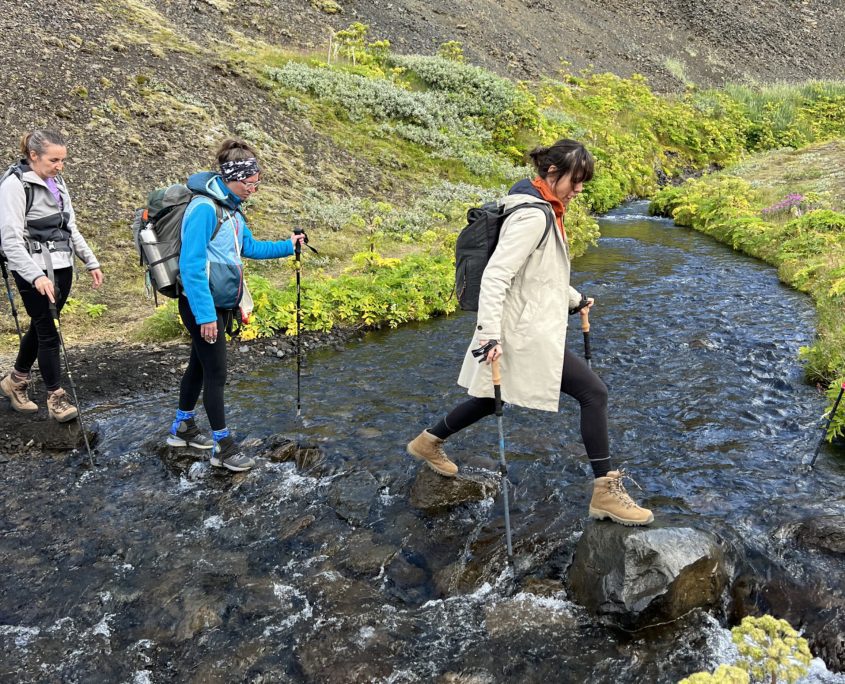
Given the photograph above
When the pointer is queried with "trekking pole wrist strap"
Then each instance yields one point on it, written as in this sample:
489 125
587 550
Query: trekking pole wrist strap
482 351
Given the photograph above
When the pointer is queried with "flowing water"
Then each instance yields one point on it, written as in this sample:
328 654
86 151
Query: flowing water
140 571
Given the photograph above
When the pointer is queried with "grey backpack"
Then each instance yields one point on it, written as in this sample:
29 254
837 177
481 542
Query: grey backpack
157 232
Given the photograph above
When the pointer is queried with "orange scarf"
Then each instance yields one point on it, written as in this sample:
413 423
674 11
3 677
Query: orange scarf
557 205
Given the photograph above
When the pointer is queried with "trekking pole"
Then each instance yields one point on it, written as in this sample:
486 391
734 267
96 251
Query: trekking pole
585 328
298 251
11 297
503 468
55 312
827 427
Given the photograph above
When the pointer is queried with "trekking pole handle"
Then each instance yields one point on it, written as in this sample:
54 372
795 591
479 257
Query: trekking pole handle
585 301
585 319
497 374
298 247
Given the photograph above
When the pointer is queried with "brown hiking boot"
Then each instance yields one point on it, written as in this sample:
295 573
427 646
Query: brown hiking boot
429 448
15 390
59 406
610 500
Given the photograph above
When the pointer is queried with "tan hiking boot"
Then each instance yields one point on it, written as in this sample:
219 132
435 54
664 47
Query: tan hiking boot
429 448
15 390
59 406
610 500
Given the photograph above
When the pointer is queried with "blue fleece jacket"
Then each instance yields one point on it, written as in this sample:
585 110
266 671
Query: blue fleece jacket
212 270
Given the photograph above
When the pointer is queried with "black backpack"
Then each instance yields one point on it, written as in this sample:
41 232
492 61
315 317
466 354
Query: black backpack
477 242
157 232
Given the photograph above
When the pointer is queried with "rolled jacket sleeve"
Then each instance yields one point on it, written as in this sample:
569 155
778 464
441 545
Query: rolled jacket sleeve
80 246
264 249
574 297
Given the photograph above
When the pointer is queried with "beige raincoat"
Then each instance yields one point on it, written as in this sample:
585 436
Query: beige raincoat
524 304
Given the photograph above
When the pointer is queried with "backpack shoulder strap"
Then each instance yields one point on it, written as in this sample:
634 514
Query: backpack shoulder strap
218 210
15 170
220 218
547 210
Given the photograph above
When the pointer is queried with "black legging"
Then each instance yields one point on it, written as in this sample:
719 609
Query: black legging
206 371
578 381
41 340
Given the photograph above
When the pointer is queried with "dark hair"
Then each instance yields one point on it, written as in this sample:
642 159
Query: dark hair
37 141
567 156
232 149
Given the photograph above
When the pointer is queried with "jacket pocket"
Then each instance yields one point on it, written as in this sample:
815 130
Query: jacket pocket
225 283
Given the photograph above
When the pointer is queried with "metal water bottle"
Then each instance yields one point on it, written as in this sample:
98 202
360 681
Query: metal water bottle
160 273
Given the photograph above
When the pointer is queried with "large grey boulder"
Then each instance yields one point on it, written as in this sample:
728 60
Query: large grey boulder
636 577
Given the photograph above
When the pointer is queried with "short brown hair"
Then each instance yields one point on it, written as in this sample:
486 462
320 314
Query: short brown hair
233 149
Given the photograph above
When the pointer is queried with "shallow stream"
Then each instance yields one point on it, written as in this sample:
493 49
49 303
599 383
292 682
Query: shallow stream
142 572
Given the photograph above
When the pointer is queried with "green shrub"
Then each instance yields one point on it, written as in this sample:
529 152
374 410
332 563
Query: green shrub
164 324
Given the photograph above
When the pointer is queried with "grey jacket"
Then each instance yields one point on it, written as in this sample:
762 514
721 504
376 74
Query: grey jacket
524 304
44 209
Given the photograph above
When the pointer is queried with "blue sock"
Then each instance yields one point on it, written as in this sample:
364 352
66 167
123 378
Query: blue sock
180 416
220 434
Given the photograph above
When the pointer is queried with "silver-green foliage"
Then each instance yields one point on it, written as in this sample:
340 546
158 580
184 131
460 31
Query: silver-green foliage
361 97
472 90
438 209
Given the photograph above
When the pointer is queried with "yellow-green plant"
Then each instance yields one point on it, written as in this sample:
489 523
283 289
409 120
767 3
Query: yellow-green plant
453 50
724 674
352 43
770 650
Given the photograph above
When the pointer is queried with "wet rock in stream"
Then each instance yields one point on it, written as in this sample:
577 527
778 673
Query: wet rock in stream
352 495
826 533
433 492
281 449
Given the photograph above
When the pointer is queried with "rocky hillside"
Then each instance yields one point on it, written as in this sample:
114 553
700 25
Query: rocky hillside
145 88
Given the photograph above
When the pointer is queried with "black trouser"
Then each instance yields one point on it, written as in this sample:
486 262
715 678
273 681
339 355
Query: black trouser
578 381
41 341
206 371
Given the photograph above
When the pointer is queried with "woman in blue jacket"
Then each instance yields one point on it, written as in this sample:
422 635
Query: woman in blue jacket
214 238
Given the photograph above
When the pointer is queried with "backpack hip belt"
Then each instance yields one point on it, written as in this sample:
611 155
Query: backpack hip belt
36 247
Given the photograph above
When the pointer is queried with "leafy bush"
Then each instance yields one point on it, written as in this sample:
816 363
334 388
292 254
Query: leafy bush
499 105
381 292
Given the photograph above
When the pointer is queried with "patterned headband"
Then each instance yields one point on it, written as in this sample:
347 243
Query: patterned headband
238 170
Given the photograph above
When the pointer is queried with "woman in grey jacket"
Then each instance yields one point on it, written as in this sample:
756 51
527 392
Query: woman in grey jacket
522 312
39 237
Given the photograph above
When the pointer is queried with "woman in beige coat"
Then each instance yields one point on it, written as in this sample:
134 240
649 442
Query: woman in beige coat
523 307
